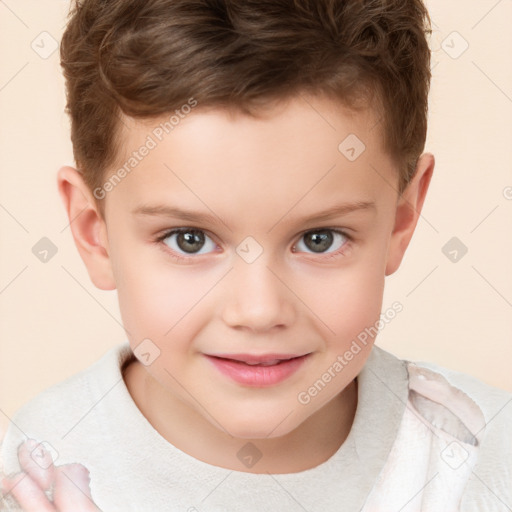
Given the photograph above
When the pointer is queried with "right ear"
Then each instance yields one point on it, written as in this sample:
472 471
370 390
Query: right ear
87 226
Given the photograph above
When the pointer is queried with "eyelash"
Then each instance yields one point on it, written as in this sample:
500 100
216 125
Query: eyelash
336 254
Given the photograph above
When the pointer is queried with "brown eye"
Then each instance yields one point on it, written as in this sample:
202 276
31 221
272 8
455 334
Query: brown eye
319 241
190 241
187 241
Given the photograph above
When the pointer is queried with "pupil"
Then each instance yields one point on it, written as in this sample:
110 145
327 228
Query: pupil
321 240
187 239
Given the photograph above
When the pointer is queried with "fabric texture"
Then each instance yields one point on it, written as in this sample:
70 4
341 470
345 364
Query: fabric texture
424 438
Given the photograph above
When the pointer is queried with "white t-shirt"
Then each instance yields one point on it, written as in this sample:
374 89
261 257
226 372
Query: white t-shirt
419 441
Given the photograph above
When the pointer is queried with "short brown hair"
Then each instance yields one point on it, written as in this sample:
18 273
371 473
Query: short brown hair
147 58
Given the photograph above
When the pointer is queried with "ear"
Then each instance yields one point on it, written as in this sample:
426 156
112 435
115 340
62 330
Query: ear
87 226
408 211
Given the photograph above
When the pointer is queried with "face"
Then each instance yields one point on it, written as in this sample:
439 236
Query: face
236 236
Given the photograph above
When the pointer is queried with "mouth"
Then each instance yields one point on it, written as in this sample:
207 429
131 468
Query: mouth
258 371
254 359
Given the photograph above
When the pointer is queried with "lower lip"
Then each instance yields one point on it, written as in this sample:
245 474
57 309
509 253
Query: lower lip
258 376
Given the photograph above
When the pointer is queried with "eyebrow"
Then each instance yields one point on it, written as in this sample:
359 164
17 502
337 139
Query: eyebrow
162 210
208 218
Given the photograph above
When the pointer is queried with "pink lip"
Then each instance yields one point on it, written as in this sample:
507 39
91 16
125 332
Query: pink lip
257 376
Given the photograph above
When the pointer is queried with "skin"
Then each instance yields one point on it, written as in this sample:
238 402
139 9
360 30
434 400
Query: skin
264 178
69 483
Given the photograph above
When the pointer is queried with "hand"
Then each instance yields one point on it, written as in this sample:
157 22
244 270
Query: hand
69 483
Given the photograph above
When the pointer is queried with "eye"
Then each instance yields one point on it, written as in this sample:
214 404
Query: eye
187 241
320 240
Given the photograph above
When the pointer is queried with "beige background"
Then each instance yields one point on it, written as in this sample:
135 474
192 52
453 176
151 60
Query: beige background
54 322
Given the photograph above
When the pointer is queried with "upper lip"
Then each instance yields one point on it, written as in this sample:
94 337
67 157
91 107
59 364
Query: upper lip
255 358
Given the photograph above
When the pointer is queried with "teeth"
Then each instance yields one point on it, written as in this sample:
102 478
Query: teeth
267 363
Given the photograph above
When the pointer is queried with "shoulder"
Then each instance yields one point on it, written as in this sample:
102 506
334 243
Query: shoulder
77 388
484 412
494 403
471 421
446 384
53 412
455 428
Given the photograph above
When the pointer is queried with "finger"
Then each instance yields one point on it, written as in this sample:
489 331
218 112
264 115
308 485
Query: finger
37 462
27 493
72 492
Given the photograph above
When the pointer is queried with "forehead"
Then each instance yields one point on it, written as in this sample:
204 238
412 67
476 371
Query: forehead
307 146
288 118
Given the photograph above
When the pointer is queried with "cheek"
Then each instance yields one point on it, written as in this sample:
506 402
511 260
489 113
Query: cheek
160 302
346 300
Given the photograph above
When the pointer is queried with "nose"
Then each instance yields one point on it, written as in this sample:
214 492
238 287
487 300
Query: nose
257 299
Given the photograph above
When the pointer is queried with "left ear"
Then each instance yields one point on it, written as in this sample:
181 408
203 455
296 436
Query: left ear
408 211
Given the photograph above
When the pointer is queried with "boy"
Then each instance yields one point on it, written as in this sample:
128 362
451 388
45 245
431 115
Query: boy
284 139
